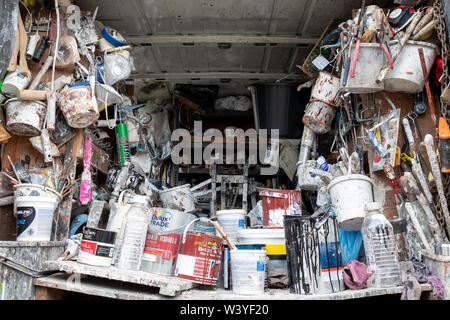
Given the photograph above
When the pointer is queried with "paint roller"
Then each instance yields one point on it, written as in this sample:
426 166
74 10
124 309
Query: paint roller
444 145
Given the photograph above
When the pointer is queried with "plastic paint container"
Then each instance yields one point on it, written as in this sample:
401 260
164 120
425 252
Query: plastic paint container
78 105
25 118
199 257
349 194
326 88
13 82
34 206
97 247
231 221
248 269
407 75
319 116
260 237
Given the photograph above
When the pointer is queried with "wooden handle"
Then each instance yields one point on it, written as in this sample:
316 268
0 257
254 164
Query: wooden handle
224 235
32 95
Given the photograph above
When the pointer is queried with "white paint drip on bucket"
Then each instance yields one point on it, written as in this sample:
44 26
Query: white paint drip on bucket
231 221
248 269
25 118
34 212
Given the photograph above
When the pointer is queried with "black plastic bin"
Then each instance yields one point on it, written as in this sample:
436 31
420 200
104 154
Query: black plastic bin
280 106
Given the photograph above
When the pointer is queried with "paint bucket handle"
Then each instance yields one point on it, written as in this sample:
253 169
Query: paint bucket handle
183 240
120 200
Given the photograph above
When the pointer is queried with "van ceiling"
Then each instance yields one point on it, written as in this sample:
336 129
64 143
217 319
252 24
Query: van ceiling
204 41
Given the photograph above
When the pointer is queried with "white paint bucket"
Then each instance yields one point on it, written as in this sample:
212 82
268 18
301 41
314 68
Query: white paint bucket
440 266
248 269
78 105
260 236
371 59
25 118
34 206
231 221
318 116
349 195
326 88
179 197
407 75
163 239
13 82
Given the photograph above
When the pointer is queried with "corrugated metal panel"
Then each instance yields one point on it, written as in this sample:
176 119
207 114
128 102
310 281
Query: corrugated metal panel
306 18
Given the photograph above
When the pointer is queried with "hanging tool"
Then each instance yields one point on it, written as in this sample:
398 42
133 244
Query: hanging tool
429 95
358 41
351 39
86 177
429 143
34 39
444 145
419 106
413 189
383 73
43 44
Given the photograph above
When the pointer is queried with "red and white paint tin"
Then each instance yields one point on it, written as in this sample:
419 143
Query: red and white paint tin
199 256
97 247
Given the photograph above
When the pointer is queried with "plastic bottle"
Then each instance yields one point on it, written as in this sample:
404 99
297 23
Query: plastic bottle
380 248
134 233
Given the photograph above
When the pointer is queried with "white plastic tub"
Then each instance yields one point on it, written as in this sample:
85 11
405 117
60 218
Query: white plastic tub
349 194
180 197
260 236
407 75
231 221
248 270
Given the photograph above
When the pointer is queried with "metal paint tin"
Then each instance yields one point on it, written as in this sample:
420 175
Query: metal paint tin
326 88
278 203
25 118
199 257
179 196
13 82
78 105
97 247
318 116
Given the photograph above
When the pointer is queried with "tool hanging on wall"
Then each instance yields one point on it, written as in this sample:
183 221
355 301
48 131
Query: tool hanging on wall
43 44
86 177
429 143
358 41
419 106
34 39
429 94
444 145
20 48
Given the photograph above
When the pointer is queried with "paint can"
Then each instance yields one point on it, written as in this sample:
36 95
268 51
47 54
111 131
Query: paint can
178 197
78 105
25 118
371 59
248 269
34 206
326 88
318 116
407 75
97 247
278 203
163 238
13 82
231 221
199 256
349 195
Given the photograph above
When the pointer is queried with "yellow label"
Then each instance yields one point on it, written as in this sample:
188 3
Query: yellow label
275 249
